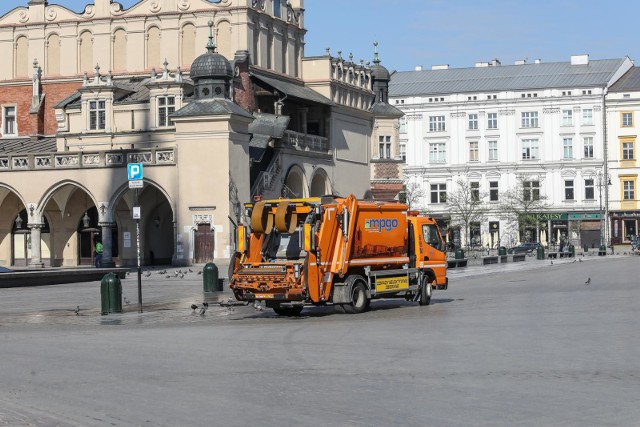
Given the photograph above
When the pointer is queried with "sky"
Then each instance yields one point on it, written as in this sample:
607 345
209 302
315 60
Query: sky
459 32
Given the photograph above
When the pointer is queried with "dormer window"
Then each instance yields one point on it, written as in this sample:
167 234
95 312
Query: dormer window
97 115
166 107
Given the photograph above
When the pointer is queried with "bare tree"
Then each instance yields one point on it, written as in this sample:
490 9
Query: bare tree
412 194
466 206
521 204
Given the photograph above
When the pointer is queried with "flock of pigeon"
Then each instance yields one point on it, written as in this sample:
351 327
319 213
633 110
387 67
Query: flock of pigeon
178 274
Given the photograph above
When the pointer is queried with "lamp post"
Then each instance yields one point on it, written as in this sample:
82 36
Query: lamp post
601 183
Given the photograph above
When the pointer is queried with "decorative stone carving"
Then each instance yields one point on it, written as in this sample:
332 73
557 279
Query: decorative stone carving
139 158
184 5
43 162
51 14
4 163
23 16
91 159
155 6
114 159
67 161
89 11
165 157
116 8
202 219
20 163
550 110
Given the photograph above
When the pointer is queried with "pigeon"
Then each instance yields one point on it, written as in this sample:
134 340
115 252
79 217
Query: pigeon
573 261
168 276
588 282
77 310
147 274
203 309
206 304
552 262
199 273
181 276
579 260
258 306
193 307
190 271
126 301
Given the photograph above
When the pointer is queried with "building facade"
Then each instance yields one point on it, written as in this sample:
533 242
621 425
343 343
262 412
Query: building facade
623 113
494 128
215 99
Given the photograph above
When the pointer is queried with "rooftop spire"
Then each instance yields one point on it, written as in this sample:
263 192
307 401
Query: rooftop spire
211 45
376 58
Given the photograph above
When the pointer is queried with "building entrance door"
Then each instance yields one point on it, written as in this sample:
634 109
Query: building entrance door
204 244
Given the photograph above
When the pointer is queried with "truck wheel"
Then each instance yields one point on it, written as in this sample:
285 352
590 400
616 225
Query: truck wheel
288 311
359 301
425 291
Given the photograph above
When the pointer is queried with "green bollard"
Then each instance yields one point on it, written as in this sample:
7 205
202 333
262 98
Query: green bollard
572 251
502 251
210 282
110 294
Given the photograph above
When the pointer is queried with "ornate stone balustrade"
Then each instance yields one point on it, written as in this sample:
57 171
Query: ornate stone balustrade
81 160
305 142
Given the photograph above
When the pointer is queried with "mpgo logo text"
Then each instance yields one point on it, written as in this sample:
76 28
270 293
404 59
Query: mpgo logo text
378 225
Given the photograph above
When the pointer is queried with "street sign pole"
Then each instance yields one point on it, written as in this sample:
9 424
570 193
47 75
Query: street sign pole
138 252
135 177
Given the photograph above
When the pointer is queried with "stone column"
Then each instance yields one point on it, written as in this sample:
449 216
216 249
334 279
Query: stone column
36 251
107 244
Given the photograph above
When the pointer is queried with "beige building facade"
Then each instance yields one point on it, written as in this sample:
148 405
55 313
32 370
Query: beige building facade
87 94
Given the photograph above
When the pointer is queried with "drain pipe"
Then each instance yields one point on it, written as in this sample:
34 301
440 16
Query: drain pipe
605 171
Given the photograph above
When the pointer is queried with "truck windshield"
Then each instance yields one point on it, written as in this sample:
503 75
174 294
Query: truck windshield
284 246
432 237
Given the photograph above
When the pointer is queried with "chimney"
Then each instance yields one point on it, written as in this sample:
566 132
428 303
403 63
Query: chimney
579 59
521 61
537 61
495 62
418 67
440 67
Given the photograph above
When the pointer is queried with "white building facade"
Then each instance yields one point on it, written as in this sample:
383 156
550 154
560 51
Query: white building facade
495 126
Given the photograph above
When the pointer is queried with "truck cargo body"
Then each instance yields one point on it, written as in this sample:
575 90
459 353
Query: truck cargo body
336 250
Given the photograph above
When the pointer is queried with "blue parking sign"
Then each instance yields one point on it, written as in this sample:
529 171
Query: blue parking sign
134 171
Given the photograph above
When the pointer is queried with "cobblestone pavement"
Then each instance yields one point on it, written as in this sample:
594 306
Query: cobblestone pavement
520 344
166 297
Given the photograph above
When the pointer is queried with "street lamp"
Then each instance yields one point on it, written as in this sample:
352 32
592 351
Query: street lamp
601 178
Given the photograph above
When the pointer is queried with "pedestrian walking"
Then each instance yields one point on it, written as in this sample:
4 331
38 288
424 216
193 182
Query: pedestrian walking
99 249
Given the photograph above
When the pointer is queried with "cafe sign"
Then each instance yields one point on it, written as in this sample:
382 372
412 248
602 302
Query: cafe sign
551 216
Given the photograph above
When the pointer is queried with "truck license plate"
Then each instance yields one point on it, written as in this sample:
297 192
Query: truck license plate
385 284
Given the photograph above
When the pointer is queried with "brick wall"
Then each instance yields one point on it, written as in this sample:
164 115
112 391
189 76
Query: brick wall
44 122
386 171
243 92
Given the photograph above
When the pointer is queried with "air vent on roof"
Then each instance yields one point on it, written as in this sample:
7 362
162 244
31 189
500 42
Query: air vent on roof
440 67
418 67
482 64
521 61
579 59
537 61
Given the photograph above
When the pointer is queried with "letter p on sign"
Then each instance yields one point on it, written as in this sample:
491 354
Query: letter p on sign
134 171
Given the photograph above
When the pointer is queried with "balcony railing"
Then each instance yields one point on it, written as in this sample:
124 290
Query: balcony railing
306 142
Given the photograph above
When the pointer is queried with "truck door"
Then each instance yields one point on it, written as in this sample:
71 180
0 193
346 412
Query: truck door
412 246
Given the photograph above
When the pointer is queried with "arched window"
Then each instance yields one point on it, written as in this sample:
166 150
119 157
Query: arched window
53 55
223 39
86 52
153 48
120 50
188 48
22 57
